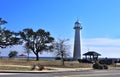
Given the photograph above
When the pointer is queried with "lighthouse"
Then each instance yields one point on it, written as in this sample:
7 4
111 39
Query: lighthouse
77 42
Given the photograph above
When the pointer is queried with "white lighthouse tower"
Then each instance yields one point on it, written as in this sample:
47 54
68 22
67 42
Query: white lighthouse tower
77 43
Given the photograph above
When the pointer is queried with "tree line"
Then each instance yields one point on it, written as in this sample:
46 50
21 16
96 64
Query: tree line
36 41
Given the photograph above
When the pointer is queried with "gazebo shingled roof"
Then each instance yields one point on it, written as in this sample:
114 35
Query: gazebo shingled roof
92 53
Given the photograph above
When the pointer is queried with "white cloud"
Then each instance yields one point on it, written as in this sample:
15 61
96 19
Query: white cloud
101 42
107 47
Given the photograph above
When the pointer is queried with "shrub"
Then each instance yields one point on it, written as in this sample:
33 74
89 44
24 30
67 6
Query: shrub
99 66
33 67
84 61
105 66
12 54
40 67
57 58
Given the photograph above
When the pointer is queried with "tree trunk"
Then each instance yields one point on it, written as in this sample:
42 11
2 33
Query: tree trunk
28 57
37 57
62 59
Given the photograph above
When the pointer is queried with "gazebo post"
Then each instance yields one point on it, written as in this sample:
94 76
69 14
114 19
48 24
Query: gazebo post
93 57
86 57
97 57
90 57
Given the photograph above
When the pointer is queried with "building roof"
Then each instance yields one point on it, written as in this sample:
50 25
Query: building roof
92 53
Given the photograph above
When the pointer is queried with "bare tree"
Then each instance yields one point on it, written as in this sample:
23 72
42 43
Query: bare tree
61 48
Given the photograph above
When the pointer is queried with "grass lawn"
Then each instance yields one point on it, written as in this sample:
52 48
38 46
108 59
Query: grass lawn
23 64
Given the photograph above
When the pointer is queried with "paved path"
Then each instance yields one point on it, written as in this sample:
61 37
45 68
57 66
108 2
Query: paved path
92 73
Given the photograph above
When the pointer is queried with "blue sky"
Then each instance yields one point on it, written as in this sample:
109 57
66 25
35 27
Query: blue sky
99 18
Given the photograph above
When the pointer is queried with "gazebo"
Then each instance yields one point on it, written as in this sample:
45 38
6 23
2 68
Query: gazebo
91 55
